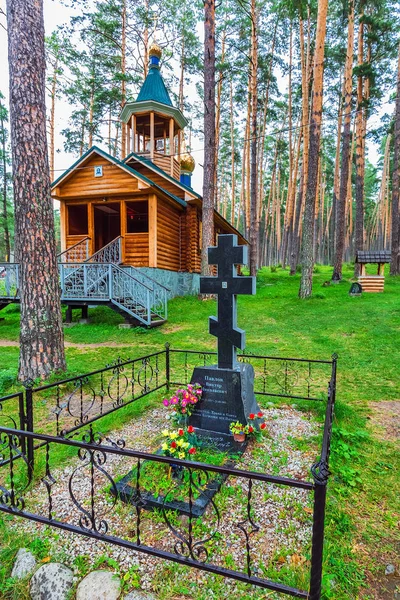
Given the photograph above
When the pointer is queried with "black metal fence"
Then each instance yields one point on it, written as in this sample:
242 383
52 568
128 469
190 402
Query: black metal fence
29 448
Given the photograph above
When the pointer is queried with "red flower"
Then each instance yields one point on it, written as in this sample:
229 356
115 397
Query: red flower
173 444
259 415
252 416
263 425
180 431
190 429
192 450
251 429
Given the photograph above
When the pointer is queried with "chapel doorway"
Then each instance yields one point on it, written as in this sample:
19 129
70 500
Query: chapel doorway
107 223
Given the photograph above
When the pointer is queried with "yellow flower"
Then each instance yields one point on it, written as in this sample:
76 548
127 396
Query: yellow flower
181 455
180 443
164 446
186 444
165 433
173 435
172 450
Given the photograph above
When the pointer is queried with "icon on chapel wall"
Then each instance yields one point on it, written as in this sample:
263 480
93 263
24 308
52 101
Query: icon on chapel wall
98 171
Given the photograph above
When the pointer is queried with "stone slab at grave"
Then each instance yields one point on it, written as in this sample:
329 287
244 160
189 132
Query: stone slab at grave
228 387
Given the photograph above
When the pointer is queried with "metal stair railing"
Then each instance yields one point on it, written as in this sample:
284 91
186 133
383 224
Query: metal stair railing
159 292
130 295
79 252
83 281
9 280
110 253
98 281
154 299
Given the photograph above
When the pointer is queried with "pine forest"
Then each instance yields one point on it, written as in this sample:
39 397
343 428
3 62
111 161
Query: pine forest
305 146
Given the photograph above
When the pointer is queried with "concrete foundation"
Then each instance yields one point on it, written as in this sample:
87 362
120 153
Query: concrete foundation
179 284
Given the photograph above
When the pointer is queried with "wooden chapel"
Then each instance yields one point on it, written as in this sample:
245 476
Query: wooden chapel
145 199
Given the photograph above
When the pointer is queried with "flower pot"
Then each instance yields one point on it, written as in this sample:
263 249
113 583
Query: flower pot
239 437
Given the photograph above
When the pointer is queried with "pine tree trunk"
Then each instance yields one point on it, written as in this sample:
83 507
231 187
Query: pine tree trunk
6 231
336 176
218 118
288 210
41 336
209 134
233 178
254 224
52 117
346 142
305 68
315 134
146 40
182 74
359 234
124 128
395 261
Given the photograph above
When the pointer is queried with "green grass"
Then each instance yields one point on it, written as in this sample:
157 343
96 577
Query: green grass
363 506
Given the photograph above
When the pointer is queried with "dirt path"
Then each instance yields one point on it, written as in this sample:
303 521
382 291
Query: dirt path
385 419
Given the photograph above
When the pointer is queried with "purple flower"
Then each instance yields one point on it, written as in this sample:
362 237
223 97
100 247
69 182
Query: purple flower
174 400
198 392
166 402
184 402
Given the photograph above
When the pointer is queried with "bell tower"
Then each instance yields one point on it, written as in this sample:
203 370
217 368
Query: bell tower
154 127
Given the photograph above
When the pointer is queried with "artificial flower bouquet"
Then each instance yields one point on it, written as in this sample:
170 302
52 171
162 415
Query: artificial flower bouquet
184 401
180 443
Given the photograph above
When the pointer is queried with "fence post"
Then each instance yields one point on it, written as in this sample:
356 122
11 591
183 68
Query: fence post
22 419
28 385
333 377
317 547
167 365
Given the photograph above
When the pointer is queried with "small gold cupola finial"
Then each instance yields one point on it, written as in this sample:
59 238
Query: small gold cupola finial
155 54
187 167
187 162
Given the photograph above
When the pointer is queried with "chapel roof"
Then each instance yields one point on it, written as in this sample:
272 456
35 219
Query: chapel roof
154 88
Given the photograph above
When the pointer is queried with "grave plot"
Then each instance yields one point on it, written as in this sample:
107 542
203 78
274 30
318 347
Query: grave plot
181 489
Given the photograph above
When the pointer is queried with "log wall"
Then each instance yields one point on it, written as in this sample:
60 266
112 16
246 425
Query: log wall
169 242
136 249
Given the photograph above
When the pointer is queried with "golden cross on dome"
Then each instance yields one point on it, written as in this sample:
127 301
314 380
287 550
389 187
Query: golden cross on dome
154 18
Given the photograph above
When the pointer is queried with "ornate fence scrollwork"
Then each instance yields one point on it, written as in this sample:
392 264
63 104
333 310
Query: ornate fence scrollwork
185 544
12 447
213 522
280 377
93 461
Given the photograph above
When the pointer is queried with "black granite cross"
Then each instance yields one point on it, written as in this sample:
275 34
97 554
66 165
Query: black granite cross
227 285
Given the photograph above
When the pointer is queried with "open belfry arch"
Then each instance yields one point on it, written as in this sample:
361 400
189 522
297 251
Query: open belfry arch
145 198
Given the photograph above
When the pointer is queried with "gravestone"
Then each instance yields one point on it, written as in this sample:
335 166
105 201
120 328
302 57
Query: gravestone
228 387
355 290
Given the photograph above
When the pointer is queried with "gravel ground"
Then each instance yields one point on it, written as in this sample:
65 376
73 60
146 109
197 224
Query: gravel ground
282 516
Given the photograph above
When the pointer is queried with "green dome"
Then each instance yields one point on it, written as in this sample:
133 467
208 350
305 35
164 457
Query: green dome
153 88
